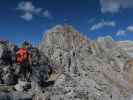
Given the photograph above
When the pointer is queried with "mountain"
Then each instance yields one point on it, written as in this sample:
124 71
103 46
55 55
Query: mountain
92 70
83 69
127 46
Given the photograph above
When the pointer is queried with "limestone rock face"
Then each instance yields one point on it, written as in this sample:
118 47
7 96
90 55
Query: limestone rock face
61 42
92 70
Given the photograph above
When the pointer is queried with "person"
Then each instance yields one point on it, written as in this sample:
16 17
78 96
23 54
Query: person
23 58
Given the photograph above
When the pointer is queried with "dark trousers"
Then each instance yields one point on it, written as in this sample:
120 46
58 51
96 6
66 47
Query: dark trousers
25 70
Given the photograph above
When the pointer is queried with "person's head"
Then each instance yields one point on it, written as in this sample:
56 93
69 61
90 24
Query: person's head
25 45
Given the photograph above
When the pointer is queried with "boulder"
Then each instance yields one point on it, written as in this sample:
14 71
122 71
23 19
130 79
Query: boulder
22 86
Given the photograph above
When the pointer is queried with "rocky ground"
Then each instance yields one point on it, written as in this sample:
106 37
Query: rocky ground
83 69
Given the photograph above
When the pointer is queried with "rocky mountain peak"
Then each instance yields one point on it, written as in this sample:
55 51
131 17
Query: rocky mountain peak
63 37
62 29
86 65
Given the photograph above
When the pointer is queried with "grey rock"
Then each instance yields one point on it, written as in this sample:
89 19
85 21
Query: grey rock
4 96
5 53
22 86
39 69
20 96
15 96
10 79
93 70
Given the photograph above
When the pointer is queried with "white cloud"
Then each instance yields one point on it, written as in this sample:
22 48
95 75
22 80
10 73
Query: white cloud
130 28
27 16
120 32
47 14
28 7
103 24
29 11
113 6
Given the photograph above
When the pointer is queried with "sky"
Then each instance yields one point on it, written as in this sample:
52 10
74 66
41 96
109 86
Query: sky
29 19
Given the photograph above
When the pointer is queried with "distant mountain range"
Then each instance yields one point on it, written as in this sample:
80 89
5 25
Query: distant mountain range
127 46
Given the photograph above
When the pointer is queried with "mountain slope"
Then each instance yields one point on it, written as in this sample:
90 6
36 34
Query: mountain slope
92 70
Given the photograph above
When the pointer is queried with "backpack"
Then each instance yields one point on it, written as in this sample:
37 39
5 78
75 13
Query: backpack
22 55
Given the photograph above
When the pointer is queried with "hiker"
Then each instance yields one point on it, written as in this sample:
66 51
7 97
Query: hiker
23 58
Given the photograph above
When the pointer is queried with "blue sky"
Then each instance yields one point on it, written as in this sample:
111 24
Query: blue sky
29 19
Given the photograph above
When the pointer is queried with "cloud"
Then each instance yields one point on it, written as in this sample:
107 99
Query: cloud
28 7
103 24
47 14
121 32
29 11
27 16
114 6
130 28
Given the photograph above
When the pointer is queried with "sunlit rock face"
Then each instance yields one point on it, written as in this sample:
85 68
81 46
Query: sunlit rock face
60 42
92 70
127 46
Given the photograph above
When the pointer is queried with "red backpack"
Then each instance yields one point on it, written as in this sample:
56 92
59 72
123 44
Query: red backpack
22 55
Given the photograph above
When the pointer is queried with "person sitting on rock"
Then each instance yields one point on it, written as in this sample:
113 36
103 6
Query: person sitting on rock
23 58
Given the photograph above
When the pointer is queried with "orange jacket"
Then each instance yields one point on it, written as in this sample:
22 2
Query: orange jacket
23 55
